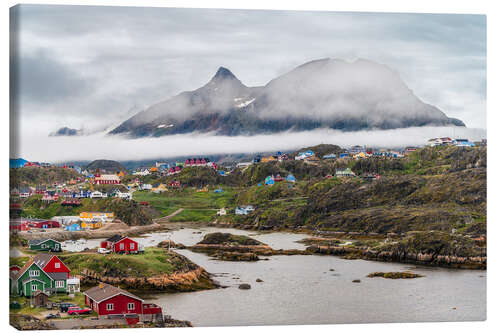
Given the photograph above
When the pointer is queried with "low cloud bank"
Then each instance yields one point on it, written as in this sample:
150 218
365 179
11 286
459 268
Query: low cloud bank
36 147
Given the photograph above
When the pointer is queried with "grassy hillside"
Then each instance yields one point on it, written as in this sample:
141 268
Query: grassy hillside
128 211
32 176
154 261
432 189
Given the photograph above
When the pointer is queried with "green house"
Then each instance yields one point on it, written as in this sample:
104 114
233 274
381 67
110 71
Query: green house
31 278
46 244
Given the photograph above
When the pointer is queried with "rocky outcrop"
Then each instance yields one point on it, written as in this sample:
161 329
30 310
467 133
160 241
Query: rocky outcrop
395 275
476 262
28 323
196 279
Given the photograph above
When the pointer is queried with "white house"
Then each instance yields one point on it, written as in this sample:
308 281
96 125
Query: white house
221 212
146 187
97 194
73 285
124 195
304 154
142 172
243 164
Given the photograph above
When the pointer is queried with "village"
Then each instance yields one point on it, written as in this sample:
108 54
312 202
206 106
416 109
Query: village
43 285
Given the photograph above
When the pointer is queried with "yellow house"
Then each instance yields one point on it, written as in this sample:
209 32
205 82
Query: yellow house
121 174
91 225
153 169
204 189
158 188
91 215
360 155
268 159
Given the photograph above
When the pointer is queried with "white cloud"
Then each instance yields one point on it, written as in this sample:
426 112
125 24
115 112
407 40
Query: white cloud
38 147
140 56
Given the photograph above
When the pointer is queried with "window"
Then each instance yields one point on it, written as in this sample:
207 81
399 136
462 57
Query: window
57 265
132 246
34 273
60 284
109 306
43 246
131 306
34 287
122 246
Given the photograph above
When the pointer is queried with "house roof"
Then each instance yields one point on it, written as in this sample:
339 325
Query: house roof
105 291
42 259
26 266
40 241
114 238
58 275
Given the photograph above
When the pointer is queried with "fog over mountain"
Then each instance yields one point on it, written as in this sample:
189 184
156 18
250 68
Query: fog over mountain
325 93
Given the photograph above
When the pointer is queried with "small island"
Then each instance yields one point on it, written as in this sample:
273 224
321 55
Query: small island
395 275
229 247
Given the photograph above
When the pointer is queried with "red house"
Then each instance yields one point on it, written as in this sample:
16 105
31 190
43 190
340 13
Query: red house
45 224
174 183
50 263
14 268
121 244
107 300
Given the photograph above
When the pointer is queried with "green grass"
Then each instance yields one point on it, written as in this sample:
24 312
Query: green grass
195 215
26 309
19 261
192 202
152 262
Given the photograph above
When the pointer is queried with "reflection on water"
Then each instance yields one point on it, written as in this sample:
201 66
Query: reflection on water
316 289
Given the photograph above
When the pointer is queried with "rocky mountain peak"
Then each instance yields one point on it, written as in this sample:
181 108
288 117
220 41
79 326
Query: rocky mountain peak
223 74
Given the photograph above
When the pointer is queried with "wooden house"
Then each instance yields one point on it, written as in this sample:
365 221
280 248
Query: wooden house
122 244
174 183
41 273
45 244
347 172
106 179
266 159
40 299
108 300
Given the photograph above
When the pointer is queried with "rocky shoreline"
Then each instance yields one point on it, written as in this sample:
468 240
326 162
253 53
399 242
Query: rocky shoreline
193 280
402 257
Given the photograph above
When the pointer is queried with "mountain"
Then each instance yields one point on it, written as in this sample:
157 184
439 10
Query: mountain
66 131
325 93
105 165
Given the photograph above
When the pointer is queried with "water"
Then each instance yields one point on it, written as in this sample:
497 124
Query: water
303 290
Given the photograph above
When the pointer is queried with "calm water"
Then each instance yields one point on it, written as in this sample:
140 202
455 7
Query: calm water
303 290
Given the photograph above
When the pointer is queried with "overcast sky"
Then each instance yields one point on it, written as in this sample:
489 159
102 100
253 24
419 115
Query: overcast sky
93 67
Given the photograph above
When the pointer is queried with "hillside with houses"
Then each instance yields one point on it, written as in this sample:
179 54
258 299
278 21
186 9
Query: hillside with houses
421 205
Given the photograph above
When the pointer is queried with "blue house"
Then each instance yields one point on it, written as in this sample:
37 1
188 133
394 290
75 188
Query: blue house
342 155
222 172
269 180
17 162
290 178
243 210
330 157
73 227
218 190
